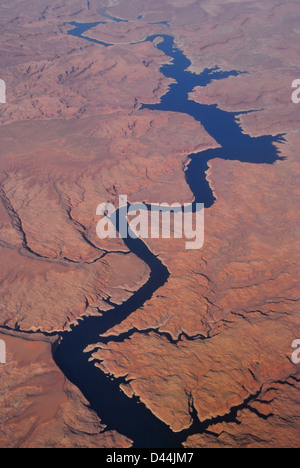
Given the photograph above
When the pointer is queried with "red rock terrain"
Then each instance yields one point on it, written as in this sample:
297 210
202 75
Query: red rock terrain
40 409
72 137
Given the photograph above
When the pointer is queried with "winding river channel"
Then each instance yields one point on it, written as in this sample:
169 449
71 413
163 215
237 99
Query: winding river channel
126 415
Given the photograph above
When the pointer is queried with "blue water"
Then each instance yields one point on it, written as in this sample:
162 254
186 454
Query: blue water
81 28
115 409
221 125
165 23
113 18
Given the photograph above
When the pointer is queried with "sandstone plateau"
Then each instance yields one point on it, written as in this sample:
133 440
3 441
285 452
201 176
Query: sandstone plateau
210 353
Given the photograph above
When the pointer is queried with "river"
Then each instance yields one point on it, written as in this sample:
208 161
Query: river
129 416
